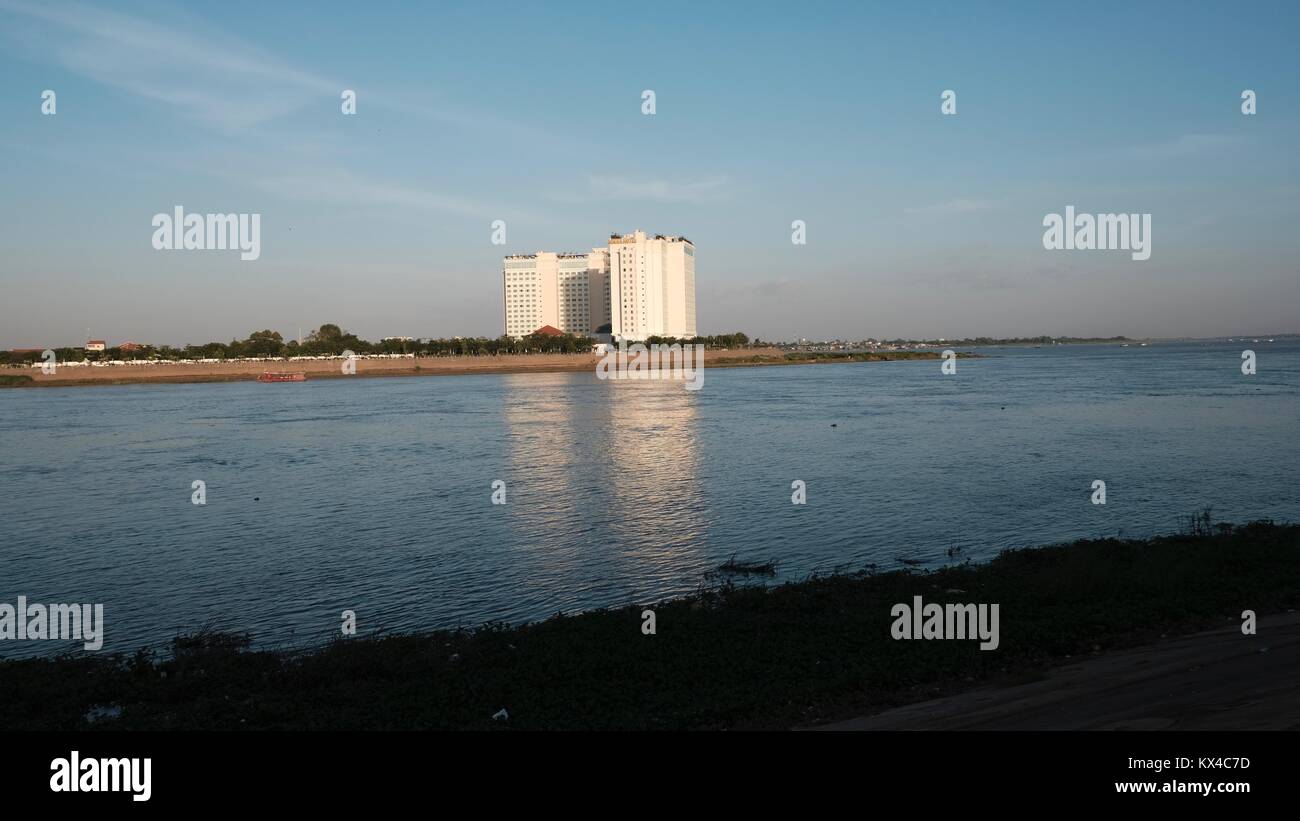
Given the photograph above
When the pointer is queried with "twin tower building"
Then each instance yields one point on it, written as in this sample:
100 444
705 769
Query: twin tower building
636 287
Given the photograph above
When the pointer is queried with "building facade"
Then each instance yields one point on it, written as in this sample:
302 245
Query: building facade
652 286
565 291
638 285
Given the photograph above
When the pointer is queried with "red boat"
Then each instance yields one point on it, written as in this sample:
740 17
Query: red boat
271 376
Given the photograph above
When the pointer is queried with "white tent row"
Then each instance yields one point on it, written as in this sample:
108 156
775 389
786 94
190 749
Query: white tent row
146 362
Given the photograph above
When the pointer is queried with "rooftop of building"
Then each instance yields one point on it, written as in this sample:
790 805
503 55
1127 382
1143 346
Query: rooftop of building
558 254
632 237
614 238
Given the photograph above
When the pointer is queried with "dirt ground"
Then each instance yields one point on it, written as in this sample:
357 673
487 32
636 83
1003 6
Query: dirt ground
324 369
1218 680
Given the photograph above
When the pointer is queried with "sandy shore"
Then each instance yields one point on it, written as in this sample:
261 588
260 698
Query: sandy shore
328 369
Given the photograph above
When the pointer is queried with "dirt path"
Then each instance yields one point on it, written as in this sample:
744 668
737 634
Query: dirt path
237 371
1219 680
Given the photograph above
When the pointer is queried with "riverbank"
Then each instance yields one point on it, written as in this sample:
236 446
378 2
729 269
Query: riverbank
243 371
1215 680
730 656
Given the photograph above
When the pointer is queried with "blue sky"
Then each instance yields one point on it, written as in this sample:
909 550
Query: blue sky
918 224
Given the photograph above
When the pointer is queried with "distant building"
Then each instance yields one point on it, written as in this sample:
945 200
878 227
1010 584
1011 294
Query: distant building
652 286
635 287
96 345
548 330
569 292
127 347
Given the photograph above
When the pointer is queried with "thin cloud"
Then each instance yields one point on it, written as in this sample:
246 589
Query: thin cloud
346 189
207 75
954 206
657 190
216 80
1190 145
221 82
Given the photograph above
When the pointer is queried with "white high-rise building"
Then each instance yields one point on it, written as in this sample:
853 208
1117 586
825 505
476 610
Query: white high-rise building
652 286
640 286
569 292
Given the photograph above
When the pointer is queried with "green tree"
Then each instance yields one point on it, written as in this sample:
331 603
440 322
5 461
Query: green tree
263 343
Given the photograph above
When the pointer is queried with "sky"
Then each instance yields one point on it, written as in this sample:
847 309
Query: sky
918 224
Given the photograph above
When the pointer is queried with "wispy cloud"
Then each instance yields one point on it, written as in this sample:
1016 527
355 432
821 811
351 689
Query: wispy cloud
1190 145
218 81
971 267
346 189
601 187
972 279
207 75
215 79
954 206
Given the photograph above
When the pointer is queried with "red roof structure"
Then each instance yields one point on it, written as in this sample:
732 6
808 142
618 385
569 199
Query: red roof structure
548 330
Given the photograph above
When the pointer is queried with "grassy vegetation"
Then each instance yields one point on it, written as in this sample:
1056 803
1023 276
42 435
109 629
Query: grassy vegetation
815 357
726 657
10 380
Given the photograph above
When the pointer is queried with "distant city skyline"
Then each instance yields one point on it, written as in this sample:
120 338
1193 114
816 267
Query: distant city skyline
918 224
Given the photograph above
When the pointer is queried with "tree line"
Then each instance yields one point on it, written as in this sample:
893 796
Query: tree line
327 340
332 340
732 340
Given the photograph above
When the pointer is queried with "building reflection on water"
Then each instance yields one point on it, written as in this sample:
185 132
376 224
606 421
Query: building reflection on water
615 463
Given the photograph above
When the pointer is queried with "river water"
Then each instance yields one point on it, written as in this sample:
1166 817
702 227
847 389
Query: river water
375 495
